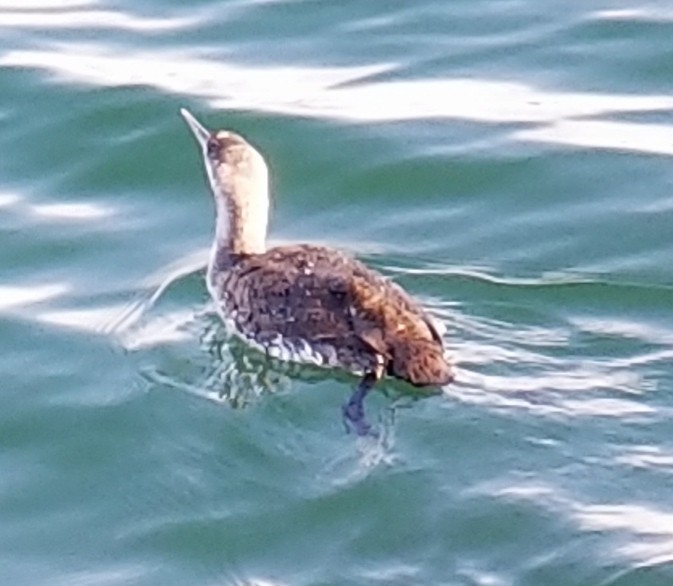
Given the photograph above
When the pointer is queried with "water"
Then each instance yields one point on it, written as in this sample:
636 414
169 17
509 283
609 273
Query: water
509 162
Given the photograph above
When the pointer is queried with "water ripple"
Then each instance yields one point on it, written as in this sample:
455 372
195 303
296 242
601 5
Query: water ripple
640 14
15 296
72 211
68 18
557 117
650 529
63 211
625 136
562 398
647 458
9 199
30 5
639 532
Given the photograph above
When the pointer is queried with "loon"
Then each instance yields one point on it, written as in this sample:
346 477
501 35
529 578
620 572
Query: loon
306 303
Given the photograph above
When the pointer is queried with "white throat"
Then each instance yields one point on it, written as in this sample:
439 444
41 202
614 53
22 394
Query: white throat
241 206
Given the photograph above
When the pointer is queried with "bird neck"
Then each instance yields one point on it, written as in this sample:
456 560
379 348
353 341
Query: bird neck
241 195
241 223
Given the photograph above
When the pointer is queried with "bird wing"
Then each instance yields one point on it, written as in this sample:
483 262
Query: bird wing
322 294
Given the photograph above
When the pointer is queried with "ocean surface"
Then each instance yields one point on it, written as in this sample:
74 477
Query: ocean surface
509 162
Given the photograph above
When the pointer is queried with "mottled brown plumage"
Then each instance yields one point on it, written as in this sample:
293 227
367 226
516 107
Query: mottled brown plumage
350 315
307 303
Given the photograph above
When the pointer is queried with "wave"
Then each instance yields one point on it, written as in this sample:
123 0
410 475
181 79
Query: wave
578 119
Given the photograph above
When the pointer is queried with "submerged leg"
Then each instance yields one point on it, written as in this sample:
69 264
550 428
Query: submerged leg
353 411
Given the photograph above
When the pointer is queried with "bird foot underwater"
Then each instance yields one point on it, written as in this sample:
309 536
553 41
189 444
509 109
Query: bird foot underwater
353 411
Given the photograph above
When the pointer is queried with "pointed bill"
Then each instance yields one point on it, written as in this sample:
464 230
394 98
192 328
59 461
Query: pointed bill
198 130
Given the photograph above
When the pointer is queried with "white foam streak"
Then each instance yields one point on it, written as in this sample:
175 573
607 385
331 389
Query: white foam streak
119 573
159 330
562 391
258 582
8 199
626 136
622 328
87 320
75 211
71 211
642 533
564 378
90 19
167 328
12 297
265 88
606 407
652 529
179 268
647 457
472 99
561 117
643 14
28 5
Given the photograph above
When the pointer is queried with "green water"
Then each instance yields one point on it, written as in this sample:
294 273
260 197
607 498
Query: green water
507 161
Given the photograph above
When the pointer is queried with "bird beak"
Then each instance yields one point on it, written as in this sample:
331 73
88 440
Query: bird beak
198 130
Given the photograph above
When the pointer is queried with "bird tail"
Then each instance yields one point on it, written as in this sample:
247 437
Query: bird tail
421 362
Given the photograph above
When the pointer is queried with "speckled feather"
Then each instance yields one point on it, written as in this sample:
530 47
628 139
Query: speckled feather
319 305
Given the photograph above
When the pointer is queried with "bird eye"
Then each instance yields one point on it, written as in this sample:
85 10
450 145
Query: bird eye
213 148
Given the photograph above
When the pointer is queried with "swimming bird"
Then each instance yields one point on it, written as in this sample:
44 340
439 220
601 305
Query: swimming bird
306 303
